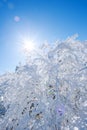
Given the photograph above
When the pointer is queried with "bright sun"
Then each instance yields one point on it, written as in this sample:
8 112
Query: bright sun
27 45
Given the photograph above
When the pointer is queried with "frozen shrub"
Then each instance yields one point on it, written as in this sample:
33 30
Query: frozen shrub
49 92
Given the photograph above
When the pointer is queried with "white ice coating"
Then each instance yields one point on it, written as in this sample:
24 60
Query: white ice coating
49 92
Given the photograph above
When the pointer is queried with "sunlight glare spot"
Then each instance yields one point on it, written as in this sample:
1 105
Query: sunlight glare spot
28 45
16 18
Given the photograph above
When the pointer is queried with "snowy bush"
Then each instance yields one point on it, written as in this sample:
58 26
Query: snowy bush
49 92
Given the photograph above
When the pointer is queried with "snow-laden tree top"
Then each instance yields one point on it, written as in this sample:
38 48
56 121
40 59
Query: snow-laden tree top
49 92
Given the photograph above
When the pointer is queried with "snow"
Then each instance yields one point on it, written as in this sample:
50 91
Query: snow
49 92
75 128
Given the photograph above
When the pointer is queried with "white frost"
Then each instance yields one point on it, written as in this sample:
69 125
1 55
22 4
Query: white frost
49 92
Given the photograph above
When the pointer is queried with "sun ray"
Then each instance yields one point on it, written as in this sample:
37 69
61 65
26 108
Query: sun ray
27 45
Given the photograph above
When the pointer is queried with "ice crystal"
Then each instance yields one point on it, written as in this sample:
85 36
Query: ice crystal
49 92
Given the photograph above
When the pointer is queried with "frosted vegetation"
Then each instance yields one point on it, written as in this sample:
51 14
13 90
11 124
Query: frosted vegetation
49 92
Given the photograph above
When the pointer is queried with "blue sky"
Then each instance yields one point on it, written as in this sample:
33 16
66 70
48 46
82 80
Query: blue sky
39 20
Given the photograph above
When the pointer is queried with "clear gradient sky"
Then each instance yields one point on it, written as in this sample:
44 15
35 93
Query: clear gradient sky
39 20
